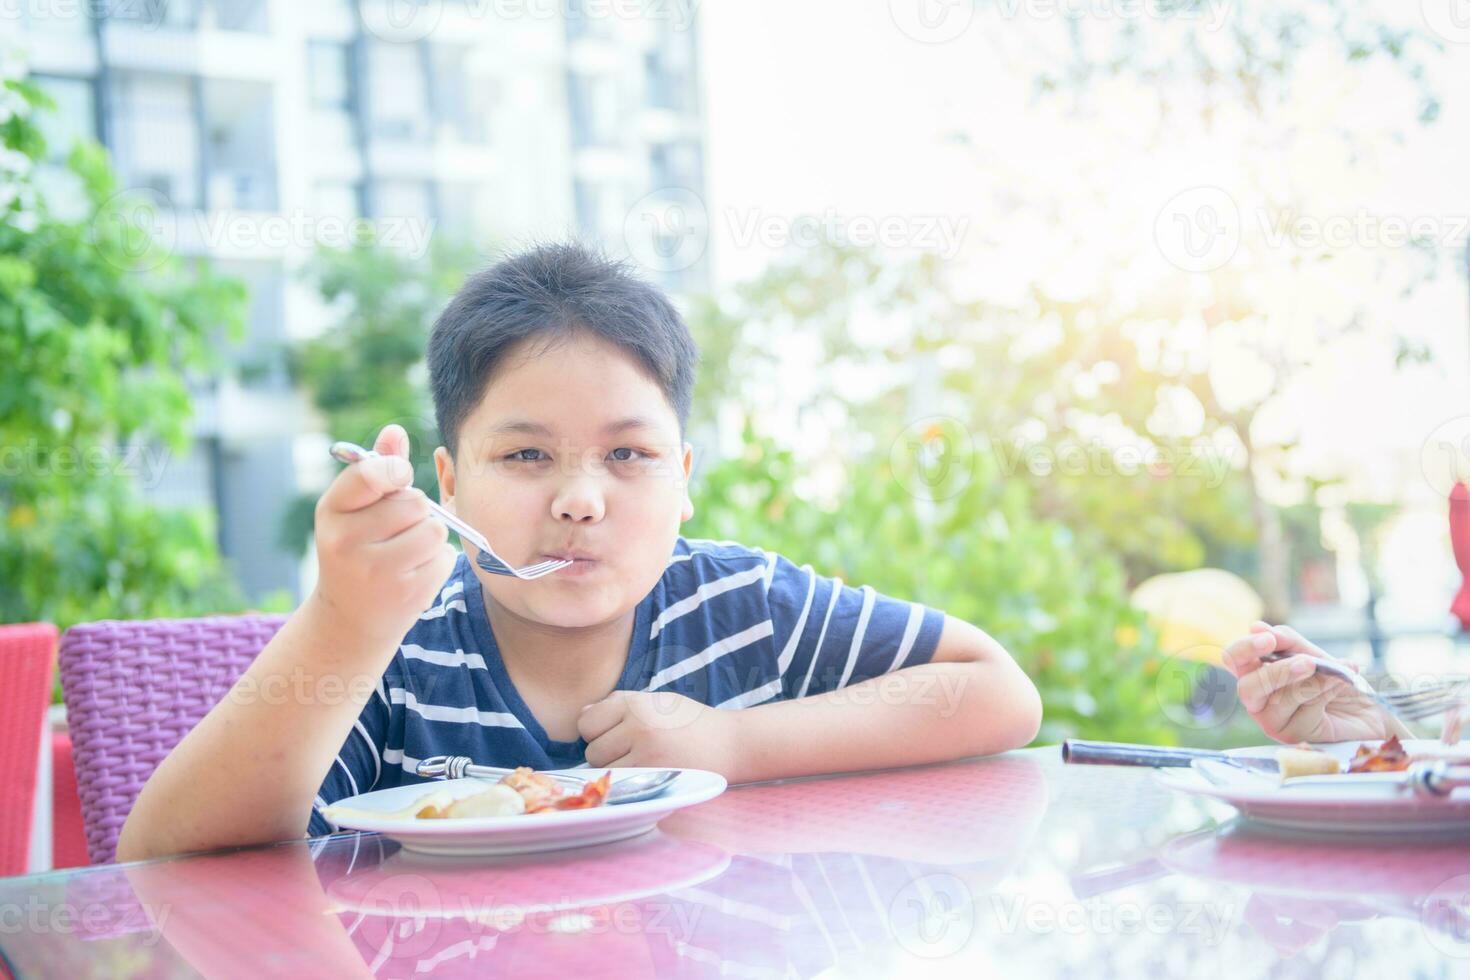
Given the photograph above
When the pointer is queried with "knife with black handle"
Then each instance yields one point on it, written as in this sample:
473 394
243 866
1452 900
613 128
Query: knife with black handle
1080 752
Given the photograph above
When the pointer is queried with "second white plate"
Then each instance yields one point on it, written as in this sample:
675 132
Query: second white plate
1376 805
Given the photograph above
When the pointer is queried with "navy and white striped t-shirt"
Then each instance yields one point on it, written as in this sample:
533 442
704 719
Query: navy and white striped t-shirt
726 625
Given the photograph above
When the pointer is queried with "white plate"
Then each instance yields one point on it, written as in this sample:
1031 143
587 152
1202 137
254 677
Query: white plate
1373 804
530 832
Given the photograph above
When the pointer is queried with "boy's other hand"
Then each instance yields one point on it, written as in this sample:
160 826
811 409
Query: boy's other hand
1289 700
382 555
661 729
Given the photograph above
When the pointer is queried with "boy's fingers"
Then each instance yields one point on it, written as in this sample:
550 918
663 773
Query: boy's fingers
366 482
413 546
597 719
386 518
392 441
1256 687
612 745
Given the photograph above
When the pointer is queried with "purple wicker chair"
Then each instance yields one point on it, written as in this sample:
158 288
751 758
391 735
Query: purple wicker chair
133 690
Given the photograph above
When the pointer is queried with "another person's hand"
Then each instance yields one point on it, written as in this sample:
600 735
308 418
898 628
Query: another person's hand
382 555
1289 700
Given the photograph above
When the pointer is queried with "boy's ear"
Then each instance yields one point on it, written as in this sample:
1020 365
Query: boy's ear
444 469
688 463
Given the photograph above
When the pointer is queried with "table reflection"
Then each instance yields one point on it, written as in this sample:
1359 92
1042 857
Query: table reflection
786 878
1302 888
1014 865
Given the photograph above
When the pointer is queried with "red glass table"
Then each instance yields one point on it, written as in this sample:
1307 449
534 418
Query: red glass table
1014 865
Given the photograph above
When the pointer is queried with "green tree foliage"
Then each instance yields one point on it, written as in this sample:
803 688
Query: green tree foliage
1054 599
98 331
367 369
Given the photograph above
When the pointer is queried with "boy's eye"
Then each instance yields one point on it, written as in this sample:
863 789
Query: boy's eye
632 454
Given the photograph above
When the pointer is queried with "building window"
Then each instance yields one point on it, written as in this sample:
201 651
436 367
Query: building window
75 117
461 102
674 165
588 19
339 198
180 14
329 84
241 15
403 199
594 107
397 92
328 75
240 122
157 145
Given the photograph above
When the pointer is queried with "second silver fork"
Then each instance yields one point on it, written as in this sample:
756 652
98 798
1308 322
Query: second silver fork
349 452
1414 705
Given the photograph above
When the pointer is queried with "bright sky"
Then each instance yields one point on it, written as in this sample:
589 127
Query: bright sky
829 108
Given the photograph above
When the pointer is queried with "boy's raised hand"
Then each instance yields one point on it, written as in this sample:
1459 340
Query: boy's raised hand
382 556
1289 700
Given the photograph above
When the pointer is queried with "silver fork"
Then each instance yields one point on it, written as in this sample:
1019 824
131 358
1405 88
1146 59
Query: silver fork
349 452
1414 705
630 789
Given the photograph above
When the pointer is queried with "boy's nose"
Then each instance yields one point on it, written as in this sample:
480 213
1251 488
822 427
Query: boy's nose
579 502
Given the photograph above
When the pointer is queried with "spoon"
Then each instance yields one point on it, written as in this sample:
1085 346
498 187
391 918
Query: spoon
644 786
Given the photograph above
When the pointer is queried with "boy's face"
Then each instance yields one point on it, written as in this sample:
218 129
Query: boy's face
573 450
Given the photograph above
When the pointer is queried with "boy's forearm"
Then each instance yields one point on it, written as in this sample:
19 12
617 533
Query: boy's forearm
248 772
929 713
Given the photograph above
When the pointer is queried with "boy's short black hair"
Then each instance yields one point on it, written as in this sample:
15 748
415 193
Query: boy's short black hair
555 290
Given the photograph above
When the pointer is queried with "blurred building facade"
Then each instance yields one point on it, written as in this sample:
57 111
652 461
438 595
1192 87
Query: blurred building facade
259 127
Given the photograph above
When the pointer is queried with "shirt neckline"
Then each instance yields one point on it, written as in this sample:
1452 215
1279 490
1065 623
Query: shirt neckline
485 639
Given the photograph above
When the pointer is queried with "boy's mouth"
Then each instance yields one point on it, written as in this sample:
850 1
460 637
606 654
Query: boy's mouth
581 561
570 555
581 564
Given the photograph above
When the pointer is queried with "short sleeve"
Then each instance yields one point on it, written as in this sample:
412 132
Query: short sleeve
359 763
829 635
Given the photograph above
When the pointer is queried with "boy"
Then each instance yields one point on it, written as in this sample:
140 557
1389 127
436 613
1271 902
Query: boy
562 386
